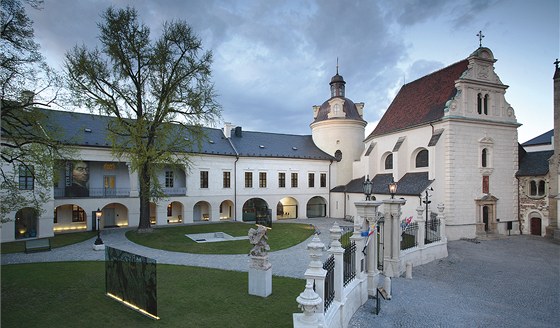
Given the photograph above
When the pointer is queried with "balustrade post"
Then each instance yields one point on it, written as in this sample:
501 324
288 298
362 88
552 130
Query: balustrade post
441 219
421 226
368 218
392 236
338 252
315 270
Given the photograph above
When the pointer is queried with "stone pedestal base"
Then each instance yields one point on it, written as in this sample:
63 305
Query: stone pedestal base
260 276
100 247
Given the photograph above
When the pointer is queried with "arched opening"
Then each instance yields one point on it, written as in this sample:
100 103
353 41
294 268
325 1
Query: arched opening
174 212
26 223
287 208
389 162
69 217
114 215
484 157
255 208
226 210
316 207
201 211
536 226
422 158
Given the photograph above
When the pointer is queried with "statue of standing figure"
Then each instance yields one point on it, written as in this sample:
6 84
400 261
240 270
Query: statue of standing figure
258 238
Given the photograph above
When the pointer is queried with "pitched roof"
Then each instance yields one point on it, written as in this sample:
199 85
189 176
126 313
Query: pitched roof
84 129
410 184
421 101
543 139
534 163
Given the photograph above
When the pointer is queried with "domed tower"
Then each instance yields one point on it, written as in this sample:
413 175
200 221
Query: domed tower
338 129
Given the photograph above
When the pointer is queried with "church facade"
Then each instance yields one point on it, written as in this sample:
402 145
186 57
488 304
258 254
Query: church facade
448 138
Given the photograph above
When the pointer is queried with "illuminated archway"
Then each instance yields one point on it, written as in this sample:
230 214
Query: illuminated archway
26 223
201 211
287 208
255 208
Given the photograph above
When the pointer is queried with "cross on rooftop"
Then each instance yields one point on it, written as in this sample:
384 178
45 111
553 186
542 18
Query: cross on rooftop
556 62
480 36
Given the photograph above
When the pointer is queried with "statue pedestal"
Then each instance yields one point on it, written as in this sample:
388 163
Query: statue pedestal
260 276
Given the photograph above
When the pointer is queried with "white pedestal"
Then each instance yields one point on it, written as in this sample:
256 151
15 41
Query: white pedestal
260 277
99 247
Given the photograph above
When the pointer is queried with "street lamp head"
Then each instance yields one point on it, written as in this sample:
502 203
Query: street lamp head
392 188
98 213
368 188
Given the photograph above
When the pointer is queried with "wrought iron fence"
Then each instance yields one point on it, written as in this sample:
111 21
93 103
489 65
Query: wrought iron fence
409 236
349 263
380 246
432 231
328 265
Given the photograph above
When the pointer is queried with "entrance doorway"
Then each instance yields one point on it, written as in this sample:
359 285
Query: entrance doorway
536 224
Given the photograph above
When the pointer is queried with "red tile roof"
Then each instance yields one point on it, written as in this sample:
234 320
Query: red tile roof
421 101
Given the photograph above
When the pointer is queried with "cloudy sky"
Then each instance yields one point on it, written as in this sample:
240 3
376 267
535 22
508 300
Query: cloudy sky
273 60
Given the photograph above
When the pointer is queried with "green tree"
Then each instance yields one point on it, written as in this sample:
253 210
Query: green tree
26 82
158 90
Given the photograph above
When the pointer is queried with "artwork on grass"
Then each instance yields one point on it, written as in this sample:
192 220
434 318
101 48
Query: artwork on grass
132 279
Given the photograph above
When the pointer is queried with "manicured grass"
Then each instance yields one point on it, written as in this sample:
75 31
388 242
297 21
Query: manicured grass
281 236
72 294
58 240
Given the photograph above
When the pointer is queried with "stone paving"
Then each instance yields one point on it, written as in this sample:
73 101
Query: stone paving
508 282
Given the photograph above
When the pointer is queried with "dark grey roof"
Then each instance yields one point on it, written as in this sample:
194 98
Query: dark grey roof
543 139
348 107
264 144
534 163
85 129
409 184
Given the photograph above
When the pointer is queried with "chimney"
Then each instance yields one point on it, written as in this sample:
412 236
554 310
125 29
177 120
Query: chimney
227 129
238 132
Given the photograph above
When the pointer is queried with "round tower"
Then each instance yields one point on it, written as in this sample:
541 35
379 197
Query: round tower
338 129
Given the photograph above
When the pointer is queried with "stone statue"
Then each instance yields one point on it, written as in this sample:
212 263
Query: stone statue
258 238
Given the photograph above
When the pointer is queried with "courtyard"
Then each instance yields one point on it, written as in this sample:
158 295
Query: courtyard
506 282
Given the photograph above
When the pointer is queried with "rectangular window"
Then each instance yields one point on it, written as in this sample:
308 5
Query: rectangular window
78 214
168 179
203 179
323 180
281 180
311 180
262 179
248 179
227 180
26 180
294 180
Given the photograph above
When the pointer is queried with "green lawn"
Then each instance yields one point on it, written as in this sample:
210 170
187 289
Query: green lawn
72 294
58 240
281 236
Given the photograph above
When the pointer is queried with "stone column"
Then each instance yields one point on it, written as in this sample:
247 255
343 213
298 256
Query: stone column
366 221
392 236
421 226
133 178
441 219
338 252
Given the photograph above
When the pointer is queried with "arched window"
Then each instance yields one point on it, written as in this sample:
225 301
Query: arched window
484 157
389 162
540 189
486 104
422 158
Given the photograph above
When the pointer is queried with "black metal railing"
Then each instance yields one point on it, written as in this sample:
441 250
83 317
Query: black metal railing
328 265
432 231
95 193
380 246
349 263
409 236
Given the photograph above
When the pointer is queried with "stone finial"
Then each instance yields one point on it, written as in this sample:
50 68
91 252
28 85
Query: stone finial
308 301
315 249
440 208
419 212
336 234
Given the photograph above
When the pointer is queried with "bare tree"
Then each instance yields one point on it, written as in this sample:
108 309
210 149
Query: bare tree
158 90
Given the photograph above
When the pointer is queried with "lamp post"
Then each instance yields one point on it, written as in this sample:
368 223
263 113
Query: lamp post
368 189
427 201
98 215
392 188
